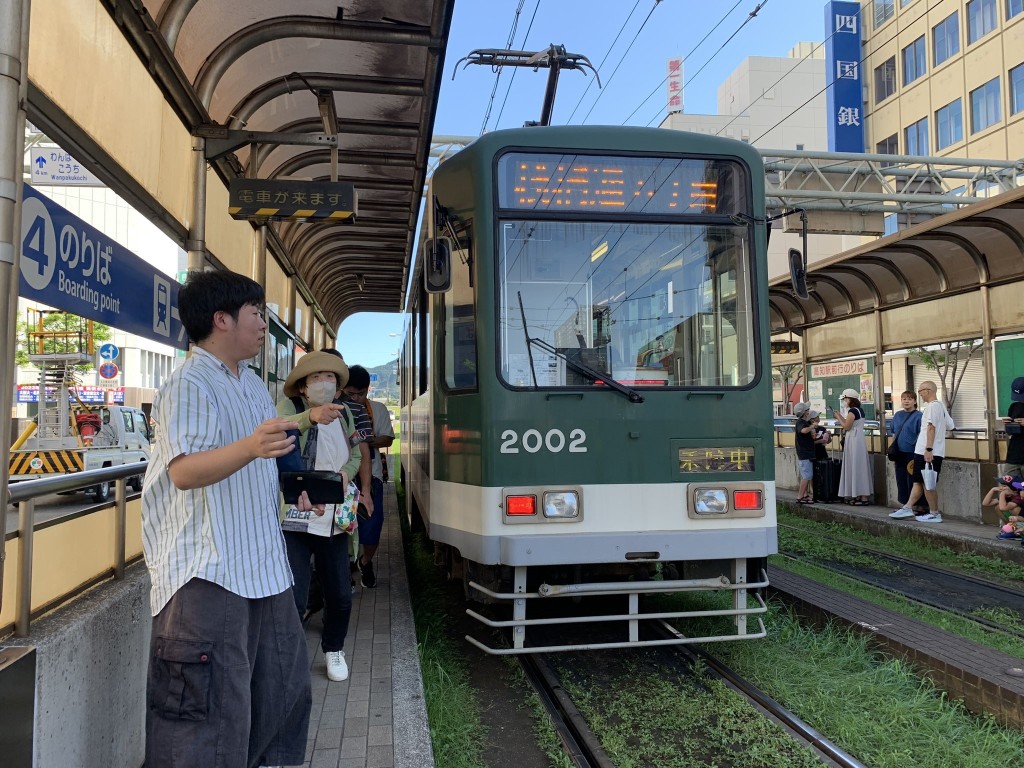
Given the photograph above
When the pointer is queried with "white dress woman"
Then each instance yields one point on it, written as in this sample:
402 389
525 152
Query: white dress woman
856 484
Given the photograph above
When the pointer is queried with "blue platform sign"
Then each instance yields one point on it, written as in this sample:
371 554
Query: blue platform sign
843 71
109 351
69 265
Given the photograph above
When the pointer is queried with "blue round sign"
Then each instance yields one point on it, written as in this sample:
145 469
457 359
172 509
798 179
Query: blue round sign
109 351
108 371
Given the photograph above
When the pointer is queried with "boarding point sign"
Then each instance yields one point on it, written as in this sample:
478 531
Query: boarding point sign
69 265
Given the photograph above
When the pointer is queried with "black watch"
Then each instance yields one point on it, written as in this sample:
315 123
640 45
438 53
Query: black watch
928 449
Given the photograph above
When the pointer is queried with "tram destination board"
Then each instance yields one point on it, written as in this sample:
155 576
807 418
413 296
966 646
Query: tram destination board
276 200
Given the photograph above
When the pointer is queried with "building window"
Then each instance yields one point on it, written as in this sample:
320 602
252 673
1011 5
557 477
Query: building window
1017 89
889 146
985 105
884 10
916 137
885 79
914 61
946 38
949 124
1014 7
982 18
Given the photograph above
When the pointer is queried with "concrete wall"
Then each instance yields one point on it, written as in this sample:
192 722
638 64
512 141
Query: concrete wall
91 677
962 484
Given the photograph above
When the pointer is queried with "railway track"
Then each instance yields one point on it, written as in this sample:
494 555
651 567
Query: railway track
941 588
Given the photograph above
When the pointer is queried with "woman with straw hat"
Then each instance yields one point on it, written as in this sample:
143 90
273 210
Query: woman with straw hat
325 443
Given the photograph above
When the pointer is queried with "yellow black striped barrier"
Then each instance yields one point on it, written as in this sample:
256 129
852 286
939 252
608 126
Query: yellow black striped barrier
46 462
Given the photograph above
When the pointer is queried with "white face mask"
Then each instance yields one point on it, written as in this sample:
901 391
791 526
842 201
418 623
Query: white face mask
320 392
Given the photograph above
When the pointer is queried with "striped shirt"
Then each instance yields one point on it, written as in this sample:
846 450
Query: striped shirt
228 532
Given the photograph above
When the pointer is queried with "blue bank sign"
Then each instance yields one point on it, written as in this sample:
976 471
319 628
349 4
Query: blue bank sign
69 265
843 71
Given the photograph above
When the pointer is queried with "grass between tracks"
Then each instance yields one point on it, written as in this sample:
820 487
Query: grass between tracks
873 706
814 546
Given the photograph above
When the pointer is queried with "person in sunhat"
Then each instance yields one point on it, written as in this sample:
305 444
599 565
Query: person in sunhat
325 444
805 427
856 485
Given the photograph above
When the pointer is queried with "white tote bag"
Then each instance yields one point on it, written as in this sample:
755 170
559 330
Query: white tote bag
930 477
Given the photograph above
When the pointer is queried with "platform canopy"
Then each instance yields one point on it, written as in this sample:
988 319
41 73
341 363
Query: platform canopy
365 71
981 245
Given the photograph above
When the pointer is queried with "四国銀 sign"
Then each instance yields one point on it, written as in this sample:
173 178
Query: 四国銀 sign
70 265
274 199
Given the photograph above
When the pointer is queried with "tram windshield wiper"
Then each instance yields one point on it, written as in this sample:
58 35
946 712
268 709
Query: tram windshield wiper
586 370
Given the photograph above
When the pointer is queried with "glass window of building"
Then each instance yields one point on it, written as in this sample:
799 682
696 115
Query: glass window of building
914 61
982 18
885 79
916 137
949 124
884 10
985 105
1017 89
1014 7
946 38
889 146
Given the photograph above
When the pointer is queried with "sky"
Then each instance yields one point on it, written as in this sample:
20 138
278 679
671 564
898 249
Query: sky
628 41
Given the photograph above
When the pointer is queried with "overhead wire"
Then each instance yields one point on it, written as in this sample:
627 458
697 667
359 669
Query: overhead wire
497 76
832 82
603 60
687 56
750 17
622 58
516 69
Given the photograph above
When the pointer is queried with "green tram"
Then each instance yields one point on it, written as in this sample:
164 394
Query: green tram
585 377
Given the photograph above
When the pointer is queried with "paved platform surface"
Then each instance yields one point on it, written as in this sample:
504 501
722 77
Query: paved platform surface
377 718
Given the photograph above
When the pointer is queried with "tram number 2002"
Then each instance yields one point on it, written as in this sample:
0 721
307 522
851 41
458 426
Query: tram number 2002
554 441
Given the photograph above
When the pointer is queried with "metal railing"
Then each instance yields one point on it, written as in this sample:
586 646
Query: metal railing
977 436
25 493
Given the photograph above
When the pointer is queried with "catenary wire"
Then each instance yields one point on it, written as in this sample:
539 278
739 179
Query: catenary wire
691 78
687 56
512 79
622 58
603 60
832 82
497 76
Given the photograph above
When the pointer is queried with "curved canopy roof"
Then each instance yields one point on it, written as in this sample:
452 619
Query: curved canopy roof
981 244
368 71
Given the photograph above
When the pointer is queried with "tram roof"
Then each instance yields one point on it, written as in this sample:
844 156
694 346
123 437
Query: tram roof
373 68
959 252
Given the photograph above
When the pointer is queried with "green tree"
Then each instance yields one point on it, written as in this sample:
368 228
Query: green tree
69 335
949 360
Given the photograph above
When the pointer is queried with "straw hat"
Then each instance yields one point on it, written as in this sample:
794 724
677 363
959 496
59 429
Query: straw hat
314 362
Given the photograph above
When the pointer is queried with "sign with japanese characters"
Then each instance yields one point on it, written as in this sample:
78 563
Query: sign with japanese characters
675 85
52 166
844 98
276 199
70 265
29 393
844 368
732 459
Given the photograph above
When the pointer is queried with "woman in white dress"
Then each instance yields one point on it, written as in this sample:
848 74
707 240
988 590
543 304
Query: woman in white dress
856 485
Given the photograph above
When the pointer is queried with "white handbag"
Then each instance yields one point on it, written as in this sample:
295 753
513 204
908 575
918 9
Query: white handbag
930 477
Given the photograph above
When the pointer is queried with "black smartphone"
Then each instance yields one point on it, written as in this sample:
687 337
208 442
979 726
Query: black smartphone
322 486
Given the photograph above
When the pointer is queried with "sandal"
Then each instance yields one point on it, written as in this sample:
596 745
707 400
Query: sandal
804 500
860 503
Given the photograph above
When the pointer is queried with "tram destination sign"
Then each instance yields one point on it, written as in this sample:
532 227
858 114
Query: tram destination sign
67 264
276 199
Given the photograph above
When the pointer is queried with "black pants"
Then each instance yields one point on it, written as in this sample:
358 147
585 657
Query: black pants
330 554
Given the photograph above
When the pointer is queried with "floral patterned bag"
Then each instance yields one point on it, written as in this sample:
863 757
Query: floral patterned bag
345 513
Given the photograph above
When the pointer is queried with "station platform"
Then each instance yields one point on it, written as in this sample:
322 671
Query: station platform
956 533
377 718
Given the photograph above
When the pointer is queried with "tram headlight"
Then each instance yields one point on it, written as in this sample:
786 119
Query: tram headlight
561 504
711 501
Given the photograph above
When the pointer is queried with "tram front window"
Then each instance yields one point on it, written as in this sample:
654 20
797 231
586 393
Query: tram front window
650 305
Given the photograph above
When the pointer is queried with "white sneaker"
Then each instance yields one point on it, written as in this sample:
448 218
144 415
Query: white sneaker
901 513
337 669
931 517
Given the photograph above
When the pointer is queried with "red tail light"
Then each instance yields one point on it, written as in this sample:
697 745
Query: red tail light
747 500
520 505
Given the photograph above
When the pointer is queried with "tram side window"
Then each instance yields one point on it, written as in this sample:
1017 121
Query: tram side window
423 345
459 308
